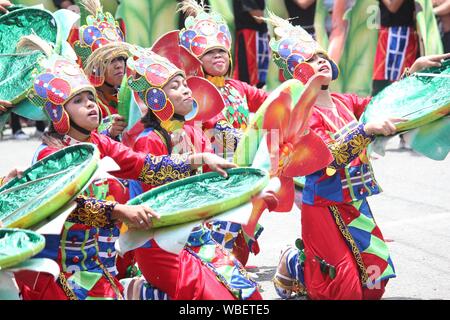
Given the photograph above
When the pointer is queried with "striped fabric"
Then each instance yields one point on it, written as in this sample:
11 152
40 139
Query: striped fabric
138 288
106 238
360 182
339 135
263 57
396 51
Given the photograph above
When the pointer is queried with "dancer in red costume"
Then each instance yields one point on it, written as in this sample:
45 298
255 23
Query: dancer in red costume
105 72
207 37
68 98
343 254
196 272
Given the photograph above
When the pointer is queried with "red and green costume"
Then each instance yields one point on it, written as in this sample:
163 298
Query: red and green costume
345 255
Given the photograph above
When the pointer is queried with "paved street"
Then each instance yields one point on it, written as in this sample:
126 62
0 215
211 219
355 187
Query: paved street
413 213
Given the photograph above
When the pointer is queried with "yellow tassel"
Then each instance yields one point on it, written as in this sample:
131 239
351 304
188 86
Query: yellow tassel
219 82
363 157
330 171
172 125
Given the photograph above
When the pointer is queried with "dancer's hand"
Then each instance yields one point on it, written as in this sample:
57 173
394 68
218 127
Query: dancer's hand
385 128
117 126
4 4
214 162
5 105
12 174
137 217
424 62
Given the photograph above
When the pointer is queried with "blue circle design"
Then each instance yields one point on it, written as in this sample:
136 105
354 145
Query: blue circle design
53 111
293 60
90 34
156 99
193 112
225 30
284 48
186 38
39 83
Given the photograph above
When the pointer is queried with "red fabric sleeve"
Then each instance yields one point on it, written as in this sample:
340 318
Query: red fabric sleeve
359 104
129 161
150 144
211 123
46 152
316 123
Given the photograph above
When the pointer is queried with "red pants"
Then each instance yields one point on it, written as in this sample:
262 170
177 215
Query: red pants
183 276
322 239
38 286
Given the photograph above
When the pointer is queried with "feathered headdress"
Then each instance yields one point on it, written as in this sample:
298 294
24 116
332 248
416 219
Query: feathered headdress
100 29
203 31
292 47
58 82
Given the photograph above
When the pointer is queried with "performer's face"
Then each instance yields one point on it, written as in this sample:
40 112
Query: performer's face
180 95
115 71
216 62
322 66
83 110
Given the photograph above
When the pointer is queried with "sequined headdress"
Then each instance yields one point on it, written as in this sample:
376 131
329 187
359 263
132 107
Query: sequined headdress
58 81
203 31
148 72
100 29
292 47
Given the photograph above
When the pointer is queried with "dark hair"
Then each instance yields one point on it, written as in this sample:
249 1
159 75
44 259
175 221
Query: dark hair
52 138
58 3
51 131
151 121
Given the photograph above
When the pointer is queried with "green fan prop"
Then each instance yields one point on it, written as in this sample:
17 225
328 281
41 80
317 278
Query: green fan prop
16 68
420 99
17 245
202 196
47 186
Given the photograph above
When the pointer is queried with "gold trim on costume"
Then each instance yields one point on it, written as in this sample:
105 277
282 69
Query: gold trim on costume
346 234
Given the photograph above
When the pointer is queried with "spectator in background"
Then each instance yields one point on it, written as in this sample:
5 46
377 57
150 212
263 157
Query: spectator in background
397 25
302 13
442 11
397 46
252 54
67 4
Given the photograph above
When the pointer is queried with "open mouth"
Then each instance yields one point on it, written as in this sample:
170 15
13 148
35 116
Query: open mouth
93 113
324 68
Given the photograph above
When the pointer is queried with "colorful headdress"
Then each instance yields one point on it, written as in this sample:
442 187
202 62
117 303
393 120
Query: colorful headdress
292 47
150 69
58 81
203 31
100 29
148 72
95 66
